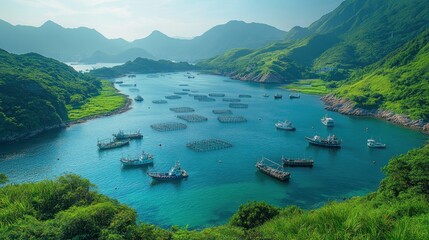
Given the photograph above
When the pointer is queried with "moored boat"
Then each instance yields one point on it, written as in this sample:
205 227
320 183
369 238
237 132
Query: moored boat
371 143
297 162
286 125
278 96
272 169
327 121
296 95
143 159
330 141
109 144
138 98
176 172
122 135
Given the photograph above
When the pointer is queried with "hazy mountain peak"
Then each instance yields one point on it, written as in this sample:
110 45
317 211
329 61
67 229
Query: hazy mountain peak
50 24
157 33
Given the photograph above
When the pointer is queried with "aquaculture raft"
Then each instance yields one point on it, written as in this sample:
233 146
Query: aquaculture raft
244 96
183 85
182 109
231 119
192 118
173 97
231 99
208 145
217 94
168 126
272 169
180 93
222 111
238 105
159 101
203 98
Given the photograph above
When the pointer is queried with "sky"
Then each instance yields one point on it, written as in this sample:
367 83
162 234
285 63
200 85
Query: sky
134 19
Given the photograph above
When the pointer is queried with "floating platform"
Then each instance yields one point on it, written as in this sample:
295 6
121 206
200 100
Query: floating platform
238 105
180 93
203 98
173 97
231 99
182 109
159 101
222 111
183 85
168 126
192 118
231 119
208 145
217 94
244 96
186 90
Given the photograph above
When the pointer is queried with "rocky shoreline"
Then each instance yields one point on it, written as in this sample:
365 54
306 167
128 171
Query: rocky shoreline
347 107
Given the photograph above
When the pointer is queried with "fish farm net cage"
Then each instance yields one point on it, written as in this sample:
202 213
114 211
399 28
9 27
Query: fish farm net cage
168 126
238 105
208 145
222 111
183 85
203 98
216 94
186 90
173 97
180 93
159 101
244 96
231 99
231 119
182 109
192 118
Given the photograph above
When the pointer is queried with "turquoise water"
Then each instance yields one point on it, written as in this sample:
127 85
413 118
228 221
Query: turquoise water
214 190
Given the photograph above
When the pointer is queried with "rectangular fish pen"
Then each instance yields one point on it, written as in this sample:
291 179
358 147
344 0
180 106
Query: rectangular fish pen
168 126
192 118
231 99
217 94
180 93
173 97
222 111
182 109
244 96
238 105
203 98
208 145
159 101
231 119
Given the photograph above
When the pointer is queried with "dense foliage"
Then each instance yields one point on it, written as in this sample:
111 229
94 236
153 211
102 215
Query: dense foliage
3 178
70 208
142 65
35 90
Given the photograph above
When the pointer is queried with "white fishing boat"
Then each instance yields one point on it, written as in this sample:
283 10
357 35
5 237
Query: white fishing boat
286 125
371 143
143 159
327 121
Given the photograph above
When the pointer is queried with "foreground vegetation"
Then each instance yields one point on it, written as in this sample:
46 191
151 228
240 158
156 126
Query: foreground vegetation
70 208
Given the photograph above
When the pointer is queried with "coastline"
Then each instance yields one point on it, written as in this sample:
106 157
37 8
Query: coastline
347 107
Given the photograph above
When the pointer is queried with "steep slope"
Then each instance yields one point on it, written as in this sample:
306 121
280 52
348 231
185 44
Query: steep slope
34 92
398 83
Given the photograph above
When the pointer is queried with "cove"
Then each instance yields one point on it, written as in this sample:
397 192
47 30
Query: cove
214 189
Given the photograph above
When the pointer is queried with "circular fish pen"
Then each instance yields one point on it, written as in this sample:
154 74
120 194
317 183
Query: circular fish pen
238 105
173 97
244 96
168 126
208 145
192 118
222 111
216 94
182 109
231 99
159 101
231 119
180 93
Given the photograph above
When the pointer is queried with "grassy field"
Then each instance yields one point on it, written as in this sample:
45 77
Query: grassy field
108 100
309 86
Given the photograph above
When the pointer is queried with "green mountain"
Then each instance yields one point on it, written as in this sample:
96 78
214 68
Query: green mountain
69 208
35 92
142 65
398 83
124 56
354 35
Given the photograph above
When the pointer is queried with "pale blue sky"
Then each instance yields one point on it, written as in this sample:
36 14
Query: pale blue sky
132 19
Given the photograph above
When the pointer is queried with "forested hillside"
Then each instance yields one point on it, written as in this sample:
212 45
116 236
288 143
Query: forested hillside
35 92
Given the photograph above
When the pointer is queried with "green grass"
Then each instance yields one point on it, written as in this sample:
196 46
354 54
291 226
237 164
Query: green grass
109 100
310 86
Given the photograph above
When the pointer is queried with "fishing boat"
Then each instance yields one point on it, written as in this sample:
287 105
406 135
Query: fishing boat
296 95
138 98
143 159
272 169
278 96
371 143
286 125
122 135
176 172
330 141
109 144
297 162
327 121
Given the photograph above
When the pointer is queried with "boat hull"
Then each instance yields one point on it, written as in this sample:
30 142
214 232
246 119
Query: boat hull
323 144
298 163
267 171
166 177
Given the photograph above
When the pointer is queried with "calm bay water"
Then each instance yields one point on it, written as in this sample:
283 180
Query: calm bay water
214 190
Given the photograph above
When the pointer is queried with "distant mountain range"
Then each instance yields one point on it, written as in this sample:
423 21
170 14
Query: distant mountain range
87 45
